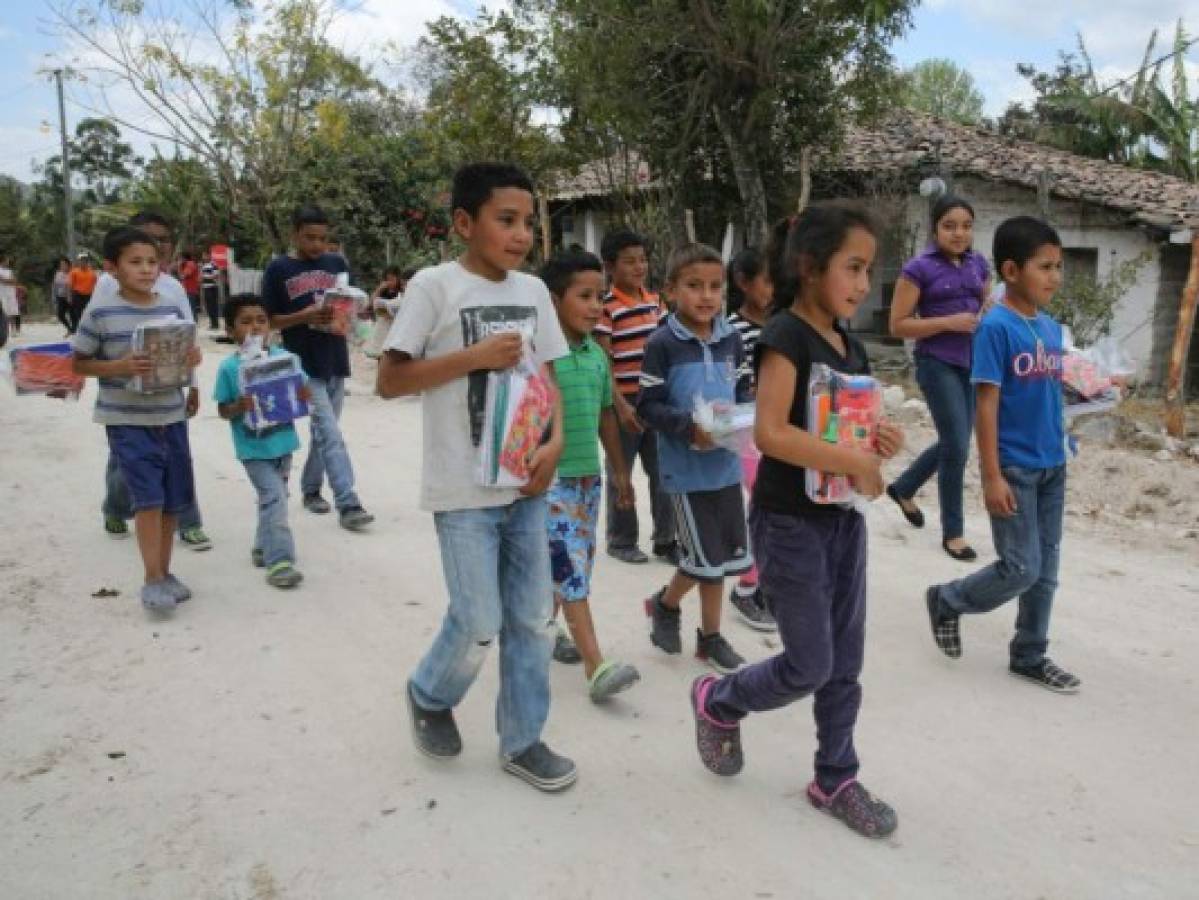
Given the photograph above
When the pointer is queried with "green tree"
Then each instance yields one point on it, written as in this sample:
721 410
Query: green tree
942 88
721 94
239 85
102 160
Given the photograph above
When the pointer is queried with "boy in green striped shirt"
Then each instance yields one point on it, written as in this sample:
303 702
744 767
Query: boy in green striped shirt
576 282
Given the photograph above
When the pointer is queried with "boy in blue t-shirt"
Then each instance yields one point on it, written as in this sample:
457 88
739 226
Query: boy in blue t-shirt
266 454
1022 447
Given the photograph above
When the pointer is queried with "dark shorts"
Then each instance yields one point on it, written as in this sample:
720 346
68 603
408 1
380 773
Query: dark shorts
712 536
156 463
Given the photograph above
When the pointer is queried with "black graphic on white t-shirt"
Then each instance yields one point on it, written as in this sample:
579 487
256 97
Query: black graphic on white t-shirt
479 322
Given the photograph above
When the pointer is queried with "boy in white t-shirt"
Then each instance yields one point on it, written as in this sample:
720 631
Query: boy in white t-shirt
458 321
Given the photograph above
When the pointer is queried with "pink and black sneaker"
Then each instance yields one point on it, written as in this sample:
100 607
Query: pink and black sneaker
853 805
718 743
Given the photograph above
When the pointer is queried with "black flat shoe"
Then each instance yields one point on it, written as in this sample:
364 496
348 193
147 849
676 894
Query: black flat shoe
915 517
966 554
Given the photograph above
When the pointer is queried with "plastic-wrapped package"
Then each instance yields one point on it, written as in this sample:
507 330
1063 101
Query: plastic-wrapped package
731 425
274 384
1093 378
167 342
345 302
844 410
44 369
517 411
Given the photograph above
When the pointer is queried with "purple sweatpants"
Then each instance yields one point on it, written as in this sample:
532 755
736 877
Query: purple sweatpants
812 572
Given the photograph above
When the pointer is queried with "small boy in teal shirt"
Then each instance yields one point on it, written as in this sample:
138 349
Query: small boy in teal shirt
266 455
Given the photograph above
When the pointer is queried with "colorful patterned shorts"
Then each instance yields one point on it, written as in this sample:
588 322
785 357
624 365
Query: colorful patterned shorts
573 513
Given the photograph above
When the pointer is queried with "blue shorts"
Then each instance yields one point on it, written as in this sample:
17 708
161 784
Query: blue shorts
573 512
156 463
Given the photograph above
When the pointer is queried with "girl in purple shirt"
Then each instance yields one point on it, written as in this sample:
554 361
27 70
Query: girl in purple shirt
938 302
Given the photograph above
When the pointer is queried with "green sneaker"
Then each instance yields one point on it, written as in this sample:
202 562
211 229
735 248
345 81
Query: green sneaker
195 538
610 679
283 575
116 527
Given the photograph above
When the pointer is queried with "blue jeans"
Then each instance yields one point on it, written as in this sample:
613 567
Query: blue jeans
118 504
950 397
622 523
273 536
497 574
1028 545
327 452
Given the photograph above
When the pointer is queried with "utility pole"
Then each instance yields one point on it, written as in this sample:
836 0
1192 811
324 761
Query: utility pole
68 211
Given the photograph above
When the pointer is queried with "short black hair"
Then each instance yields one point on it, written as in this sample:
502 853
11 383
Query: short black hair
1018 239
393 270
119 239
144 217
474 182
236 304
308 214
559 272
620 239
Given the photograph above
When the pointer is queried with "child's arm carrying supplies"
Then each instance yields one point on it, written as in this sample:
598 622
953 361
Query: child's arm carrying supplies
845 410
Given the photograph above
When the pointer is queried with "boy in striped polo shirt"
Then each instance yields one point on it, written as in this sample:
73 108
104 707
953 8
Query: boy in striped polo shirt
147 432
630 315
575 281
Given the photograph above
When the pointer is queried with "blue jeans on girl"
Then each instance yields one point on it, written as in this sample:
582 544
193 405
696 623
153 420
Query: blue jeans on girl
1028 545
273 535
950 397
497 573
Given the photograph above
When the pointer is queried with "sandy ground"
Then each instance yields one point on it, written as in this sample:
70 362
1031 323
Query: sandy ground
256 746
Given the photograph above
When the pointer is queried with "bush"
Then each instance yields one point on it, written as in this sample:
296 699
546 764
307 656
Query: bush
1088 305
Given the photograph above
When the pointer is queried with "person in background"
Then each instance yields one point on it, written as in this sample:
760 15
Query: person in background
189 277
937 302
60 291
385 302
750 293
631 315
82 281
210 290
9 302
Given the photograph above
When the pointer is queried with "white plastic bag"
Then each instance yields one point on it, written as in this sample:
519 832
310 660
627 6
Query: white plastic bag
731 425
516 415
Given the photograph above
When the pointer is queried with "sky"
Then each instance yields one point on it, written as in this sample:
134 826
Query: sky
987 37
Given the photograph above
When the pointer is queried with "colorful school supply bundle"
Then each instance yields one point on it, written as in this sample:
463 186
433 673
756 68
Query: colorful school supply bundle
167 342
843 410
275 386
45 369
517 412
345 303
730 425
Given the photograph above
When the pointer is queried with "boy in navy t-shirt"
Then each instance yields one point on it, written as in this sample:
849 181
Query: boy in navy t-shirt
291 287
1021 444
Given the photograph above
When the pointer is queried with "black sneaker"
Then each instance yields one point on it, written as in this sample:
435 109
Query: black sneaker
354 518
315 503
667 553
634 555
1047 675
565 650
717 652
752 610
664 624
543 768
433 730
946 631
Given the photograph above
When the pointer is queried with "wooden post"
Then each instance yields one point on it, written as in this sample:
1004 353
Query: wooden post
543 213
689 225
805 179
1176 378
